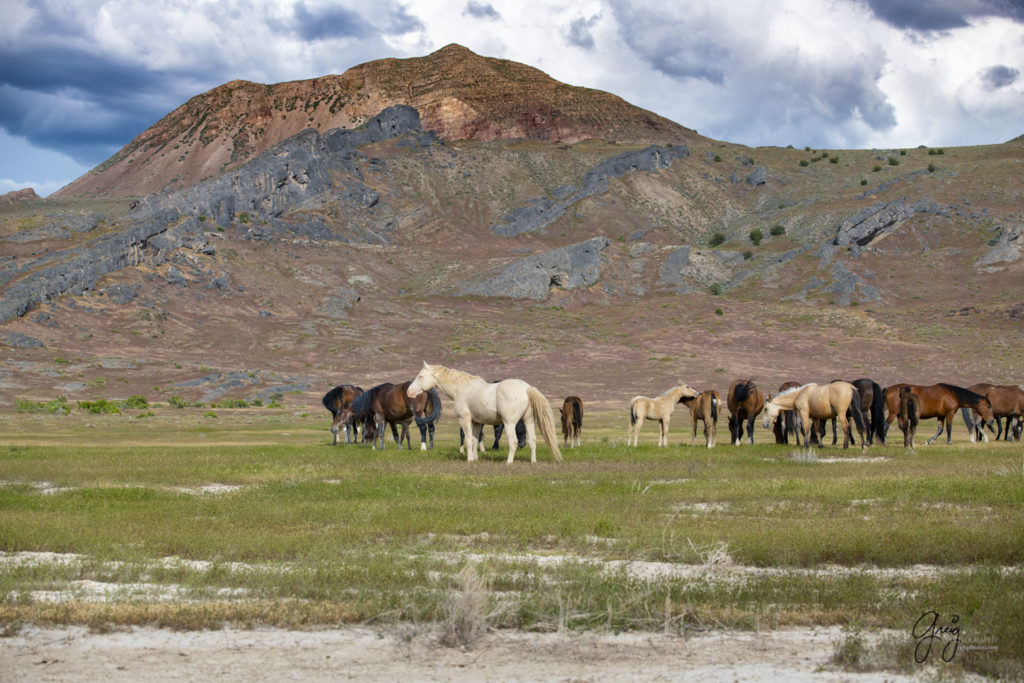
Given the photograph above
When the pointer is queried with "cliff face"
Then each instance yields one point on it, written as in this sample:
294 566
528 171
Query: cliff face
459 95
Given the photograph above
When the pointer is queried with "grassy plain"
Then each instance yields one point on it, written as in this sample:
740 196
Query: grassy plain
252 517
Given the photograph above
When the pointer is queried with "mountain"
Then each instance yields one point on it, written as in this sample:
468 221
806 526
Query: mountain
459 95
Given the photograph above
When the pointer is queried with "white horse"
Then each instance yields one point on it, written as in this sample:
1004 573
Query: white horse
659 409
479 402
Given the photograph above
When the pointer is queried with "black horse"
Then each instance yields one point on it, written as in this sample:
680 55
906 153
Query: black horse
872 404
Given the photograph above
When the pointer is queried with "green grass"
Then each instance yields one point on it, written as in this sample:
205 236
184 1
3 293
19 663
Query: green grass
303 532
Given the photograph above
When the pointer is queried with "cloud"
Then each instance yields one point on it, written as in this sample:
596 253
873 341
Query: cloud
481 11
580 31
329 22
942 15
999 76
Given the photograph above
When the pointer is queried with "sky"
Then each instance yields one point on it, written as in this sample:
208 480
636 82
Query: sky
79 79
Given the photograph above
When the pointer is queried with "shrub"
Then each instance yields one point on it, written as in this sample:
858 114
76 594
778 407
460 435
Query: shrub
715 289
747 255
179 402
719 311
230 403
931 168
756 236
209 413
893 161
804 162
876 169
100 406
777 230
136 402
833 160
864 181
718 158
716 239
58 406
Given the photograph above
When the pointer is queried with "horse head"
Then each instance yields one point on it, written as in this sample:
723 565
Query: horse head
771 412
343 418
425 381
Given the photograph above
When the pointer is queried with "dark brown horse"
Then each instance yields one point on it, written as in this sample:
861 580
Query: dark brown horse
786 424
1007 401
572 420
872 405
745 402
910 408
337 398
389 404
704 407
941 401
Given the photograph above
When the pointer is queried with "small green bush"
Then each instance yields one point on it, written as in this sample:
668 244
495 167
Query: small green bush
715 289
864 181
719 311
100 406
136 402
747 255
833 160
58 406
804 162
876 169
777 230
718 158
893 161
756 236
209 413
716 239
931 168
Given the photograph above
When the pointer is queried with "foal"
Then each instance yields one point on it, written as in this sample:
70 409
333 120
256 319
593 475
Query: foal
910 408
704 407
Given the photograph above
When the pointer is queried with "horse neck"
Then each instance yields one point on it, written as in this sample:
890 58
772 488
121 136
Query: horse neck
450 380
675 393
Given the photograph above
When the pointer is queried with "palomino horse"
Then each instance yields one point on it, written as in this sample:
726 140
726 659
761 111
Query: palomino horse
942 401
819 402
388 404
910 408
786 425
872 405
1007 401
479 402
745 402
572 420
659 408
337 398
704 407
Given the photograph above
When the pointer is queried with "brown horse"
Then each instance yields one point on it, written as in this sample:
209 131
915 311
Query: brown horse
389 404
337 398
942 401
572 420
910 408
819 402
1007 401
704 407
872 405
786 424
745 403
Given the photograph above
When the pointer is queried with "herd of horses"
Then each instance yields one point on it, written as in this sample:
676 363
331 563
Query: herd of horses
797 411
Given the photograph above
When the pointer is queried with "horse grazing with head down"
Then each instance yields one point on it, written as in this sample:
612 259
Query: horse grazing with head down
572 420
745 402
1007 401
819 402
786 426
337 398
704 407
659 408
479 402
942 401
910 408
387 404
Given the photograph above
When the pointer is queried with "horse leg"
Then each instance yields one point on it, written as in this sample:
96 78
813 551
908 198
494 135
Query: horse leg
423 437
750 429
636 429
938 433
833 433
663 438
531 437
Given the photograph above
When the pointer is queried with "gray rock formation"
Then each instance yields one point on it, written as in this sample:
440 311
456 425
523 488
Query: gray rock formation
1006 249
337 305
687 270
879 220
541 212
572 267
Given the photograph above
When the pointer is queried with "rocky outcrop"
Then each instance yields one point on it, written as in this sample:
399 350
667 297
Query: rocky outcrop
880 220
572 267
18 196
1006 249
687 270
539 213
295 175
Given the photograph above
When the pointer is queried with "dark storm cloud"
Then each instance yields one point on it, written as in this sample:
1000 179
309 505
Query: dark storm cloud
579 32
942 15
330 22
999 76
481 11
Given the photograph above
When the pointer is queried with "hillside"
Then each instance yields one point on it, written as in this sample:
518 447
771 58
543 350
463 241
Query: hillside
596 268
459 94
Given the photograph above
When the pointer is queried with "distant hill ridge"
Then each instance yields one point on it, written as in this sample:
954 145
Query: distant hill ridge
460 96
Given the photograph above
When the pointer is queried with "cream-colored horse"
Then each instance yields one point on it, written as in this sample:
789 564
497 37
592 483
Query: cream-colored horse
660 409
819 401
479 402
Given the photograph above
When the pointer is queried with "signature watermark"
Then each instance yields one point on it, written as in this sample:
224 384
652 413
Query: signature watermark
933 633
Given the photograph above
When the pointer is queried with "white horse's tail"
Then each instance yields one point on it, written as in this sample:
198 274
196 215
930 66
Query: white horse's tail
542 417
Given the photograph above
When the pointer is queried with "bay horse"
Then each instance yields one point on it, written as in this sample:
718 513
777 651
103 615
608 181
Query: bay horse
388 404
910 408
942 401
1007 401
338 398
704 407
745 402
659 408
819 402
479 402
572 420
786 424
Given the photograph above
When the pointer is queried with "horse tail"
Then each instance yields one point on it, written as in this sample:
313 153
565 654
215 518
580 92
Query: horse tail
878 411
434 400
743 390
329 399
858 412
714 409
577 413
542 416
912 411
632 411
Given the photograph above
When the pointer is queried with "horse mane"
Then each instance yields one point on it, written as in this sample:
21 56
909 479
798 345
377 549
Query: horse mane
328 399
963 395
362 405
792 390
670 390
447 375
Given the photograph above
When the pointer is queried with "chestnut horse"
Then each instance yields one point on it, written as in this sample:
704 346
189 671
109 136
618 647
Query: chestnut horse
337 398
704 407
572 420
659 408
819 402
942 401
745 402
910 408
1007 401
